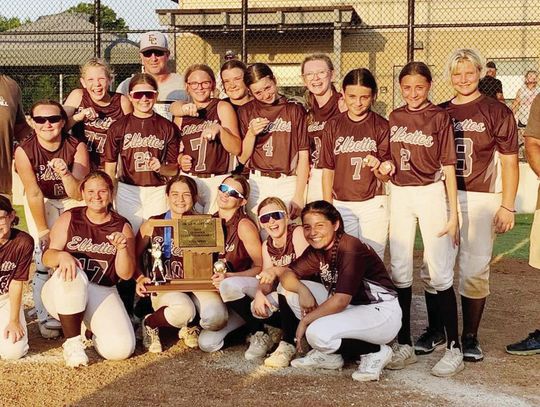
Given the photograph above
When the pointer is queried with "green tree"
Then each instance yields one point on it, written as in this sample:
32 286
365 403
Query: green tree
9 23
109 20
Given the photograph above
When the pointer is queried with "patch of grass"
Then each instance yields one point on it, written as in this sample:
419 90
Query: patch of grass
506 244
22 219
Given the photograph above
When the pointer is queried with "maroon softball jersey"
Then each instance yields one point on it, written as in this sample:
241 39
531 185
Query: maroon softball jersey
94 132
173 266
277 146
15 258
345 144
317 119
136 141
358 268
282 256
236 254
481 128
421 143
208 157
88 243
49 181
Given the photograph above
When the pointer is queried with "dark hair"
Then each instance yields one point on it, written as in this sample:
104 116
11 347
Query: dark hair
491 65
200 67
97 174
416 68
5 205
49 102
256 72
233 63
183 179
242 181
326 209
141 78
360 77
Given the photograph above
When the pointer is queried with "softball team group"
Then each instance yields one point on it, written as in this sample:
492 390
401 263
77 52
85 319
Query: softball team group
97 169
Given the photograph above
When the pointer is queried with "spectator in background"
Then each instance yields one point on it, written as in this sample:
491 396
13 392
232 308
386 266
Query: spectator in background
524 98
489 85
531 344
155 54
12 125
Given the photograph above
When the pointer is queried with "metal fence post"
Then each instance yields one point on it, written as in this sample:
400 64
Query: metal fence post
244 30
410 31
97 31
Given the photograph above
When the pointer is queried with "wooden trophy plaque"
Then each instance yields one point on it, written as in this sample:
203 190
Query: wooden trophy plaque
199 237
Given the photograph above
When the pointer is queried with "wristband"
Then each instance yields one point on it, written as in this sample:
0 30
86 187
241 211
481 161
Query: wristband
509 210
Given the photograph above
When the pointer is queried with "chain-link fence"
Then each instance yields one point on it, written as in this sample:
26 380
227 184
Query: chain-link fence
44 54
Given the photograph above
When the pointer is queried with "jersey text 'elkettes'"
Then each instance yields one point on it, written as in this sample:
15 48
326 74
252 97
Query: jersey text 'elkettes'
15 259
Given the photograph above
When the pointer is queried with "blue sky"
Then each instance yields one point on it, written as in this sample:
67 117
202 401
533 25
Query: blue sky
138 14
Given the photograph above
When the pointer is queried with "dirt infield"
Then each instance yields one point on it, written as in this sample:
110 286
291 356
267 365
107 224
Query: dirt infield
181 376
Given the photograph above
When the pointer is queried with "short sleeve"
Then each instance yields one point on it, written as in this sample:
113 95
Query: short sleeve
111 149
303 138
506 135
307 264
447 144
327 157
25 258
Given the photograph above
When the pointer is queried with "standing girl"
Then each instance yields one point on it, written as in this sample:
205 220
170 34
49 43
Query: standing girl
92 109
275 142
355 142
423 190
50 163
487 173
209 134
322 103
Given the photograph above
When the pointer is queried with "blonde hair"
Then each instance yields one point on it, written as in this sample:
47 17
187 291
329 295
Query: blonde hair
272 200
462 55
96 63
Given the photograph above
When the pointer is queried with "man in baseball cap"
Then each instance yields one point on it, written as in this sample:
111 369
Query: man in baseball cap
154 53
489 85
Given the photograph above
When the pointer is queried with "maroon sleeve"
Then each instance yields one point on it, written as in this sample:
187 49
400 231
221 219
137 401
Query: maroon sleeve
383 140
351 270
25 258
303 138
327 157
506 135
112 148
243 120
307 264
447 144
172 143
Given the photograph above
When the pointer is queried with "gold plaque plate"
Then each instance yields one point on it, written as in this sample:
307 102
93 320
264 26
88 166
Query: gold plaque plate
197 232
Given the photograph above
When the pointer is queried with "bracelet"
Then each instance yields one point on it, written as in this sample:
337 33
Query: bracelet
43 233
509 210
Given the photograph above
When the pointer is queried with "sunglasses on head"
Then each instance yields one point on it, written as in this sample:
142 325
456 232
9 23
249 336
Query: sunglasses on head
276 215
138 94
157 52
226 189
43 119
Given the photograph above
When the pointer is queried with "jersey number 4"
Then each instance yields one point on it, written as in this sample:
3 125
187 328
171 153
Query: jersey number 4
268 148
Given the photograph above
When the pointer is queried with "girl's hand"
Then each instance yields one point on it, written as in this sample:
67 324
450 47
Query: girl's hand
257 125
14 331
452 230
140 289
87 114
59 166
189 109
300 332
217 278
118 240
67 266
504 220
387 168
267 276
154 164
184 161
261 305
371 161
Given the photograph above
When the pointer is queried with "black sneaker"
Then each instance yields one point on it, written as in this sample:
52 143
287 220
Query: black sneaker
472 352
528 346
428 341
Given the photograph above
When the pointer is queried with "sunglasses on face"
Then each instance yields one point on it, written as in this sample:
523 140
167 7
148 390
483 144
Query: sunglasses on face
138 94
226 189
276 215
157 52
43 119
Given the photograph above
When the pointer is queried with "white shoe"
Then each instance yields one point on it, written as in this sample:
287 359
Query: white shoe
372 364
46 332
190 336
450 364
315 359
282 356
74 354
259 345
403 355
151 338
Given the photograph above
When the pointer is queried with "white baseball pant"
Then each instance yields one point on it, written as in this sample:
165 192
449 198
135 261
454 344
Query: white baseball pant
137 204
263 187
234 288
104 313
534 248
314 187
9 350
207 190
372 323
367 220
212 341
426 205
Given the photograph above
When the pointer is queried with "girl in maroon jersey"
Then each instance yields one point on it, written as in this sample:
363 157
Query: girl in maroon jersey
242 256
16 249
51 164
423 190
92 248
284 244
232 75
275 142
92 109
487 174
340 291
323 102
354 143
209 134
175 309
